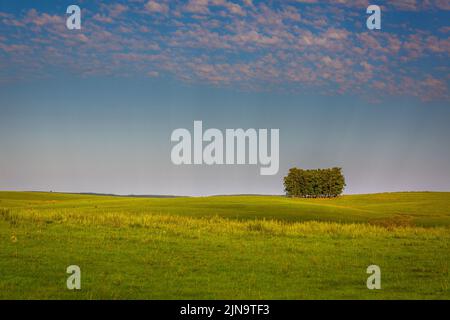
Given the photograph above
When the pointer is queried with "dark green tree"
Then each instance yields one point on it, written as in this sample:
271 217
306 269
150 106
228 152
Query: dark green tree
323 183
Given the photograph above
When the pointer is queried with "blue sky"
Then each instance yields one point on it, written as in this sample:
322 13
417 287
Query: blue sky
93 110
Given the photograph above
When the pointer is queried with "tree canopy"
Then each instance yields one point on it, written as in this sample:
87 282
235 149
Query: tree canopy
315 183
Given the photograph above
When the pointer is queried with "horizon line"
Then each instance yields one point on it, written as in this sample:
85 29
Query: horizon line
200 196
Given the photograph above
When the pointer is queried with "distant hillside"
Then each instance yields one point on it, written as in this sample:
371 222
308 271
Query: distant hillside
402 208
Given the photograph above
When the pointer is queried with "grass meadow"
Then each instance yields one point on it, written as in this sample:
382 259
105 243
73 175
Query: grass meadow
225 247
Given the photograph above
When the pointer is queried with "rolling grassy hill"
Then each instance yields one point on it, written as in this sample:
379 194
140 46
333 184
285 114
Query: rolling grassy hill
225 247
412 208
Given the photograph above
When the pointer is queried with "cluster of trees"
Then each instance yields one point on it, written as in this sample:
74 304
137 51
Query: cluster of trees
317 183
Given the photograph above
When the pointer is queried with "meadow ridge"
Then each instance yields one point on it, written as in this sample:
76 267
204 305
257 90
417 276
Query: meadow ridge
224 247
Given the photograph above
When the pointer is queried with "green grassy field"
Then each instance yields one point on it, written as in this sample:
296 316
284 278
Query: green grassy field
227 247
